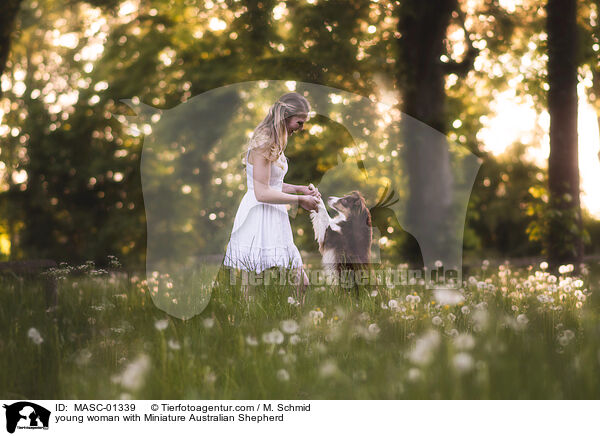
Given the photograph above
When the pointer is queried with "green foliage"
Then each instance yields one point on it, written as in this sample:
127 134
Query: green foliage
517 334
82 198
553 216
497 215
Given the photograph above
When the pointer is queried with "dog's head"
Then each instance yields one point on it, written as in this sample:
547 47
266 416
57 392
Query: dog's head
352 204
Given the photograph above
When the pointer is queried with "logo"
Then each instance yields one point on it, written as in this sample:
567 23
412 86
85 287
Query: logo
26 415
193 181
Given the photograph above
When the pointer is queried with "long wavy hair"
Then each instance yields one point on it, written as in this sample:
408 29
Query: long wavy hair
270 136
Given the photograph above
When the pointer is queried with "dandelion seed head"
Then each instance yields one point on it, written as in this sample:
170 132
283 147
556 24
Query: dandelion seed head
208 323
161 324
273 337
173 345
464 341
463 362
414 374
289 326
35 336
374 329
328 368
283 375
134 374
424 348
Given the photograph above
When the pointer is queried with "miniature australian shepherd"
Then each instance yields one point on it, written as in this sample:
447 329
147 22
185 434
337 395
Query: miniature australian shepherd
345 240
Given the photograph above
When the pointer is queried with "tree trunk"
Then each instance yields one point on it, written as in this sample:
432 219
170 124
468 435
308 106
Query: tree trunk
564 238
421 78
8 15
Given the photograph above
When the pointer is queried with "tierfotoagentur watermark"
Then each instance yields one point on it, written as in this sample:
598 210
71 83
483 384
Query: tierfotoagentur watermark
388 277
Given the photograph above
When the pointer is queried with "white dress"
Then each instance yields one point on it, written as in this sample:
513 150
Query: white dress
262 236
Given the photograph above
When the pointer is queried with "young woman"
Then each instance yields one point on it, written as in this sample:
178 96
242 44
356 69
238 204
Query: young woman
262 237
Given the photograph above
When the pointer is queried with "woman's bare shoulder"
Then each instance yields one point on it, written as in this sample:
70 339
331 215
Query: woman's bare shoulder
257 155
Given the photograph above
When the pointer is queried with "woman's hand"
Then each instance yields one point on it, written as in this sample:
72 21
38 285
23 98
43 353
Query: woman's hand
310 190
309 202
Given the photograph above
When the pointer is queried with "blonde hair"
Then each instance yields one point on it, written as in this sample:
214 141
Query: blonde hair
270 136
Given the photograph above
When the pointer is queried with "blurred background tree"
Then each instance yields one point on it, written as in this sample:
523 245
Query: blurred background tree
471 69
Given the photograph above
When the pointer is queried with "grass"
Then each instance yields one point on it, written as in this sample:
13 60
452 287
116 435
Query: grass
517 334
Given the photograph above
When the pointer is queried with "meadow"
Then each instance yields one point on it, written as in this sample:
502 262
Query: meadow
510 333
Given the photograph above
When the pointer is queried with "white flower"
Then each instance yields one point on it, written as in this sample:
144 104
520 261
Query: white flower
465 310
544 266
566 337
480 317
174 345
413 299
448 296
414 374
288 358
210 377
328 368
316 315
373 293
251 340
83 357
273 337
543 298
393 304
563 269
464 341
161 324
424 347
133 376
463 362
438 263
374 329
291 300
294 339
522 319
35 336
208 323
283 375
289 326
436 320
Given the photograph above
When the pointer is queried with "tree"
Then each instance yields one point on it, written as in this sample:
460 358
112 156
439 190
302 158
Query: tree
565 224
421 76
8 13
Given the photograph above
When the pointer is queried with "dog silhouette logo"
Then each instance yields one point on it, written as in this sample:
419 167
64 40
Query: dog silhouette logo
26 415
191 170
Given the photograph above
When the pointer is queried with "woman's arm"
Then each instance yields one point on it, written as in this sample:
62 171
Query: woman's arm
263 192
293 189
301 189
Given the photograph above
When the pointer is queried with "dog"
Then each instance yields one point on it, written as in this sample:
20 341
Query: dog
345 240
